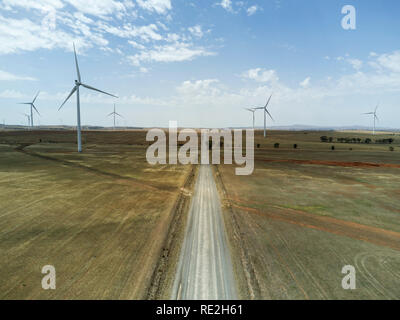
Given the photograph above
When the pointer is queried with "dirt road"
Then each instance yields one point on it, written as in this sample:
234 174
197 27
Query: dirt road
205 270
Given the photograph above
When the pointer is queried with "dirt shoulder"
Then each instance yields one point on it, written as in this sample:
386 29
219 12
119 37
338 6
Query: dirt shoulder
164 273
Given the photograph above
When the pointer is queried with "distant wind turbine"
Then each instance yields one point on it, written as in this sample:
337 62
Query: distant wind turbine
32 104
253 111
114 113
265 115
79 83
375 117
28 117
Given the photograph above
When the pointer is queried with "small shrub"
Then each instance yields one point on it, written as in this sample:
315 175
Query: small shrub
276 145
295 146
333 148
258 146
391 149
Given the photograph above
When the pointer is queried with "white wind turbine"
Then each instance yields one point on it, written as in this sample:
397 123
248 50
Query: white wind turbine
265 115
253 111
79 83
375 117
114 113
28 117
32 104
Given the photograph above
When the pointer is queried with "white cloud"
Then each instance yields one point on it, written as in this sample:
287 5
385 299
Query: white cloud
226 4
390 61
355 63
196 31
252 10
42 5
81 17
305 83
136 45
146 33
100 7
199 86
11 94
159 6
261 75
56 24
25 35
6 76
169 53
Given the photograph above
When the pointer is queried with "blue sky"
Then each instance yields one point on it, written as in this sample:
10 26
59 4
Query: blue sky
201 62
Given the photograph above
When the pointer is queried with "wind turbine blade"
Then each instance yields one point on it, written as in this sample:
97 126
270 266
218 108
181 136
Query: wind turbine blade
35 109
269 114
110 114
72 92
376 117
118 114
369 113
268 102
24 103
91 88
77 67
377 106
35 97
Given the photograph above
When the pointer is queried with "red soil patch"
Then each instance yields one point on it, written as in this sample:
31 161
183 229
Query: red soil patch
349 229
335 163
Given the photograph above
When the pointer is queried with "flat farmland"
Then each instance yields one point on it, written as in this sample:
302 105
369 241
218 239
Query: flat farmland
100 217
112 225
306 212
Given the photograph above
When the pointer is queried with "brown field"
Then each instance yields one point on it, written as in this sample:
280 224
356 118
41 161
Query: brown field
307 212
100 217
112 225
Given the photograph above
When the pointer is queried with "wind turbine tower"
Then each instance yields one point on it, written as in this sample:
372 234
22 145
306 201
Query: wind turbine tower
253 111
28 117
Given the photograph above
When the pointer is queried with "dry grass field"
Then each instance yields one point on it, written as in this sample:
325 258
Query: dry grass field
100 217
104 218
305 213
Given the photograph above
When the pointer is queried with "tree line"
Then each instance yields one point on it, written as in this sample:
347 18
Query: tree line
356 140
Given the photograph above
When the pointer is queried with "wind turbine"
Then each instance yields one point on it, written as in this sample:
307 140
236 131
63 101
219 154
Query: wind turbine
32 104
375 117
252 110
79 83
28 117
265 115
114 113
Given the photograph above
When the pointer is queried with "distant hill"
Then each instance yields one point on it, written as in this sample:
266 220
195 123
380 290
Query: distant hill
300 127
295 127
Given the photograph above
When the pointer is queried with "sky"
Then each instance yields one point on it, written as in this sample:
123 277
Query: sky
201 62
